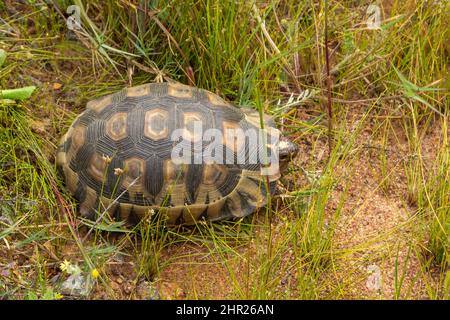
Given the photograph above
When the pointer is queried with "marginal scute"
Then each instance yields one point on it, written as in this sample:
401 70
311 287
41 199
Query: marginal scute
192 213
132 213
78 137
109 205
215 99
179 90
234 205
251 191
172 214
99 104
139 91
214 210
141 211
61 158
252 116
87 207
124 211
71 179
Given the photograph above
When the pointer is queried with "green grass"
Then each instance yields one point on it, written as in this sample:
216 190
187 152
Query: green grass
389 155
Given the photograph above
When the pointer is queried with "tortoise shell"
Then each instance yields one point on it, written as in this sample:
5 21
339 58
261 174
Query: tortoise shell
116 156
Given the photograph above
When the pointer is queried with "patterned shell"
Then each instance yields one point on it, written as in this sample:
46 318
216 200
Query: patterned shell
116 156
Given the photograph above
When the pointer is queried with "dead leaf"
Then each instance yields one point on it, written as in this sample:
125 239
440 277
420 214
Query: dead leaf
57 86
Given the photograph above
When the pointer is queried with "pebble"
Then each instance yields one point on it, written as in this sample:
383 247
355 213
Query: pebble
77 285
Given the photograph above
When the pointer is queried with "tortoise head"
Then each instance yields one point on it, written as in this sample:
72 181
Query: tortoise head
287 150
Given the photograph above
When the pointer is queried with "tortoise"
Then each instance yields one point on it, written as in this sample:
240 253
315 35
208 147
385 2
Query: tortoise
117 156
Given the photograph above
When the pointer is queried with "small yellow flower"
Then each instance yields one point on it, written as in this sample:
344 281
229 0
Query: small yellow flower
94 273
107 159
65 265
118 171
